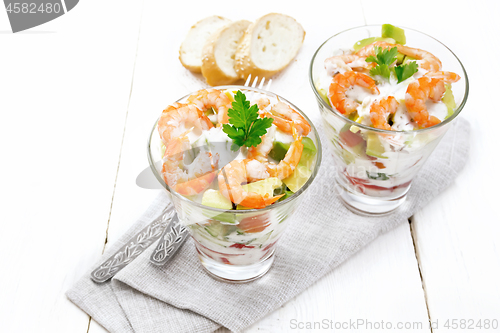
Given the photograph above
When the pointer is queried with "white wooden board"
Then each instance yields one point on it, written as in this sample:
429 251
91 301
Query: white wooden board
65 89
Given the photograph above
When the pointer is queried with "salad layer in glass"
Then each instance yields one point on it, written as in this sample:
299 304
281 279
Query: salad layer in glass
385 104
235 160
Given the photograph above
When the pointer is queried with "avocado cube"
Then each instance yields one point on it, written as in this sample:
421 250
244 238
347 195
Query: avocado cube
362 43
299 177
390 31
308 152
215 229
279 150
367 41
214 198
324 96
400 57
408 59
449 100
374 147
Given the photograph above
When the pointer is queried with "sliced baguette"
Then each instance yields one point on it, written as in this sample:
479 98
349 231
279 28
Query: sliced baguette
218 54
190 50
268 46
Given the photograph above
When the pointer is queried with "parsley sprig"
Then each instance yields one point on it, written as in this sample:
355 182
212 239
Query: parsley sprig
246 127
405 71
385 58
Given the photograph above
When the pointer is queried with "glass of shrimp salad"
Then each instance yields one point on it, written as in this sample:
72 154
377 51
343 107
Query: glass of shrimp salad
236 162
387 96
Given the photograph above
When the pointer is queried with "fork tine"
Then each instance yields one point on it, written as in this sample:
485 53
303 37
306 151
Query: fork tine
268 84
254 84
261 85
249 79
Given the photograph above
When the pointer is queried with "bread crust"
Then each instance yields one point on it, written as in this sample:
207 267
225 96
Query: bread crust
244 62
211 70
192 34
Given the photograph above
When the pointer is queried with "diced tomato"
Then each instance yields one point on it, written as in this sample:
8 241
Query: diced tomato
363 183
379 165
351 139
255 224
269 246
241 246
226 261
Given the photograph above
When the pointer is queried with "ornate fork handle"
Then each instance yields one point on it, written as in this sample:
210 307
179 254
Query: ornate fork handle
134 247
172 239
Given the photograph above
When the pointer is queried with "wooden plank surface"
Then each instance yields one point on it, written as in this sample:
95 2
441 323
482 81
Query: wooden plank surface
65 88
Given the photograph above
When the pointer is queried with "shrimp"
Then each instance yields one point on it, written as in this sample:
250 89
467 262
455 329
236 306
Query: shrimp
379 111
287 165
425 59
212 98
232 177
286 118
345 63
339 86
178 119
263 103
369 50
172 107
448 77
430 86
199 175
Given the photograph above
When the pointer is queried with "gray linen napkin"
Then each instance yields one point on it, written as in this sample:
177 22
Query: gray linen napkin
181 297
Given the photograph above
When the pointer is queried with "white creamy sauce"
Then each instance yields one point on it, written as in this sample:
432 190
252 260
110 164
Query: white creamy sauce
358 93
402 120
215 134
282 136
438 110
268 139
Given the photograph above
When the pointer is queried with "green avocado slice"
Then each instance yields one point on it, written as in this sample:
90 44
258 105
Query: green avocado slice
449 100
214 198
374 146
390 31
367 41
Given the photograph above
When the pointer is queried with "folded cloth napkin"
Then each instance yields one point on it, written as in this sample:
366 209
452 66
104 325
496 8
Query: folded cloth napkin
181 297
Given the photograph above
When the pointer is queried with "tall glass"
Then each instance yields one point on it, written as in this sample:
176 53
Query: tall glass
225 251
374 167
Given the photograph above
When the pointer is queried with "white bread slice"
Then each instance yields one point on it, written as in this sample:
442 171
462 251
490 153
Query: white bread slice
268 46
218 54
190 50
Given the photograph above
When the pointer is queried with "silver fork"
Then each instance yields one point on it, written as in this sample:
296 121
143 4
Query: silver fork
253 84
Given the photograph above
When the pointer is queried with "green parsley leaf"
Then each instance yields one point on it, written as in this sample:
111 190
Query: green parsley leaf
258 129
246 127
403 72
383 58
377 175
242 114
382 70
